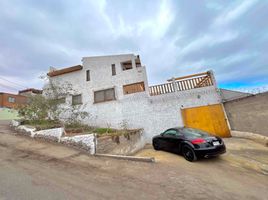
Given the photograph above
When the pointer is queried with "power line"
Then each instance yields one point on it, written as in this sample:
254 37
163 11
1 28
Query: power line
8 87
22 86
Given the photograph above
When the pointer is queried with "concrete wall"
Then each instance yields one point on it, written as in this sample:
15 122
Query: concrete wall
120 145
249 114
229 95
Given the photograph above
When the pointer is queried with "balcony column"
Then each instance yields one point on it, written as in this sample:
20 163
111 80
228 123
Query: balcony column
133 62
174 84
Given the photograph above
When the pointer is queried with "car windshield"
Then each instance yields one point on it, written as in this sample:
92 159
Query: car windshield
192 133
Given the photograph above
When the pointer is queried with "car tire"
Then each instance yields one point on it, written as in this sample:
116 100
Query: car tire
156 145
188 153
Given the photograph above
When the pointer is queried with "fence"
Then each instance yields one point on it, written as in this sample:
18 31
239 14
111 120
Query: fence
183 83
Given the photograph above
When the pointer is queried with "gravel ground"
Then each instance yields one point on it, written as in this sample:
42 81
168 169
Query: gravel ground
31 169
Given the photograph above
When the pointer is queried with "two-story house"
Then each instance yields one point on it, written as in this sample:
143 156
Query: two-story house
114 90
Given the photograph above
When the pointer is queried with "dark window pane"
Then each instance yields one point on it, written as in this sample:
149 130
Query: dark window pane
88 75
113 70
99 96
77 99
192 133
109 94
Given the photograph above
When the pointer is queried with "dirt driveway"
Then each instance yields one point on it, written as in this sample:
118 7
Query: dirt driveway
240 152
31 169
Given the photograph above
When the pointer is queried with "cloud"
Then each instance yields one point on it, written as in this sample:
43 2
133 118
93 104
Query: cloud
173 38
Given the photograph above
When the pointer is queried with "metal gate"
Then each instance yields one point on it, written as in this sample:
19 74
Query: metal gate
209 118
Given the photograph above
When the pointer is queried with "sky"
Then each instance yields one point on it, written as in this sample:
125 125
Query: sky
173 38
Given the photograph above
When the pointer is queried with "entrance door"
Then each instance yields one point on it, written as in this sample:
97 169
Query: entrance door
209 118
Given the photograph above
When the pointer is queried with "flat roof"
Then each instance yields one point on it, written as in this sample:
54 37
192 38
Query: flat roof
65 70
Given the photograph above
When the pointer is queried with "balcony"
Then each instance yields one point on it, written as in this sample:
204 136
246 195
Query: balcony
183 83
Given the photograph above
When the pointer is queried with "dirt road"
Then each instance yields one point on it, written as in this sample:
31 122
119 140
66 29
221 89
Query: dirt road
31 169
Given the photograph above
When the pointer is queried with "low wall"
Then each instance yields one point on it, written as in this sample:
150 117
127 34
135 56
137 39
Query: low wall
120 145
54 134
85 142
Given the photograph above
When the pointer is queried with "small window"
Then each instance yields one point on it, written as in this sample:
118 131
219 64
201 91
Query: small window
113 70
77 99
11 99
171 132
133 88
88 75
104 95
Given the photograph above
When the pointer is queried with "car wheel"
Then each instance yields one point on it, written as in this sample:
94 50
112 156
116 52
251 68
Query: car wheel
188 153
156 145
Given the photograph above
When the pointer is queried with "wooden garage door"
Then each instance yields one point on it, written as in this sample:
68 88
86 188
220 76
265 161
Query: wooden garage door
208 118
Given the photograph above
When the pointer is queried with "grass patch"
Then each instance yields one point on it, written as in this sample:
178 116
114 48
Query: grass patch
8 114
42 124
73 128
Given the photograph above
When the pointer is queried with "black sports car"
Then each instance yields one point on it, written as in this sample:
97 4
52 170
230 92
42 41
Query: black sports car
191 143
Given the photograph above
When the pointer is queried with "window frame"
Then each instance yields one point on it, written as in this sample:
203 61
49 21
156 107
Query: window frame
178 134
132 84
73 96
88 75
13 101
105 95
113 69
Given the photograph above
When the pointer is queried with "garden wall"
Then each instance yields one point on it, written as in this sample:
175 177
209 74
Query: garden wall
121 145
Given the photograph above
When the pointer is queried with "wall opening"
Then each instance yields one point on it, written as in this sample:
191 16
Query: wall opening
133 88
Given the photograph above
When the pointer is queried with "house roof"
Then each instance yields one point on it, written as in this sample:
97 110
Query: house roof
64 70
36 91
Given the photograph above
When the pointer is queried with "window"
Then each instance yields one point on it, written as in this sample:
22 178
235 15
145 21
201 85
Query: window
133 88
88 75
11 99
104 95
77 99
192 133
126 65
113 70
171 132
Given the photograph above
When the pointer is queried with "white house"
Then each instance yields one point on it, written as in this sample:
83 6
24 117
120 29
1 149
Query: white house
115 91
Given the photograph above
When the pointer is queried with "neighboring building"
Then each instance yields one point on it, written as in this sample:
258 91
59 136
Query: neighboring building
229 95
114 90
30 91
8 100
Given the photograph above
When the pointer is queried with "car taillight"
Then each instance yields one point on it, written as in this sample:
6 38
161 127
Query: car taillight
198 141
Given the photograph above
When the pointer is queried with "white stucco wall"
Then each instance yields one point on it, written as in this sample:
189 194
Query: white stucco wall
55 132
87 140
140 110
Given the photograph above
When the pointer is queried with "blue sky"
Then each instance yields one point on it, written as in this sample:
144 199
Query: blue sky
173 38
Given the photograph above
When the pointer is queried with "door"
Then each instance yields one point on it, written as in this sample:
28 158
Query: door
171 140
209 118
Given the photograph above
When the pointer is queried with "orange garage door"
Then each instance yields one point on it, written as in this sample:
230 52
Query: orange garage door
209 118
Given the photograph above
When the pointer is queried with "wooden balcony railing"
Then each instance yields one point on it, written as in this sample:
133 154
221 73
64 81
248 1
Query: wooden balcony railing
183 83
